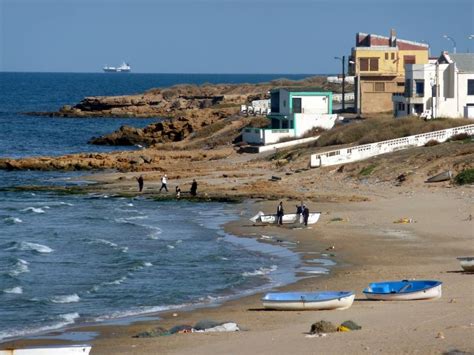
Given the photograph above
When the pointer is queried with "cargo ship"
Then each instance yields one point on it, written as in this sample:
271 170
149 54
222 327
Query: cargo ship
123 68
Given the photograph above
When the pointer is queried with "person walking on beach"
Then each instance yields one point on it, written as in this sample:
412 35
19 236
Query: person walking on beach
164 183
194 187
140 183
280 213
178 192
299 211
305 215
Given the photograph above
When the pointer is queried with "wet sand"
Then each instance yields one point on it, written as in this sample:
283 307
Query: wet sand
367 247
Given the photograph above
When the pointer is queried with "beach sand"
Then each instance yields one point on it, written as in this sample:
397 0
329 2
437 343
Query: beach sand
367 246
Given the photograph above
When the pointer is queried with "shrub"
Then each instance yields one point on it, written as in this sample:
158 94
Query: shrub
460 137
367 170
465 177
431 143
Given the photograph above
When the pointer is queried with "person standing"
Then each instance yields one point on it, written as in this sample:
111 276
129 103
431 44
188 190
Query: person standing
164 183
299 211
305 215
280 213
178 192
194 187
140 183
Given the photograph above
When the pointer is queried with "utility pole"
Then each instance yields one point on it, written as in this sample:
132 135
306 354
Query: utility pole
435 114
343 83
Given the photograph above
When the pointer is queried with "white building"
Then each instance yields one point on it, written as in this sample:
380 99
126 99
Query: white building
294 112
452 74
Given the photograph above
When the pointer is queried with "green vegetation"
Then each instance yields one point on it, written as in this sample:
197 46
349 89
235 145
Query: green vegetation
380 129
367 170
465 177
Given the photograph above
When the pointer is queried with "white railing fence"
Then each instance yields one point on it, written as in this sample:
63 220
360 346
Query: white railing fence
351 154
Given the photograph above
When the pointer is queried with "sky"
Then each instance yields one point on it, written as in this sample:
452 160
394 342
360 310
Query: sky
216 36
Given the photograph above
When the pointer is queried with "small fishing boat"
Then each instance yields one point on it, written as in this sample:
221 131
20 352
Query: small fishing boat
404 290
299 301
51 350
444 176
467 263
287 218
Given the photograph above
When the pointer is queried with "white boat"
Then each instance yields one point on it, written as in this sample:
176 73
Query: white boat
51 350
122 68
404 290
287 218
298 301
467 263
444 176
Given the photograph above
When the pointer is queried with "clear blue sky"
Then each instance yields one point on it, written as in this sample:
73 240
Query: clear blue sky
215 36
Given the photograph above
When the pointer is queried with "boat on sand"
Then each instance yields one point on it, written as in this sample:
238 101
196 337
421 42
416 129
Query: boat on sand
299 301
444 176
404 290
287 218
51 350
467 263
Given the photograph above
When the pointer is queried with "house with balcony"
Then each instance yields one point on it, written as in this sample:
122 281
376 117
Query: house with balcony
378 63
293 112
443 88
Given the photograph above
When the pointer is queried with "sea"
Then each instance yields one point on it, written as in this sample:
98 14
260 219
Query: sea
72 259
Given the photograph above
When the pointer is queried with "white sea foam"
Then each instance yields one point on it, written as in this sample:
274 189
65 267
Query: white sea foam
20 267
130 204
16 290
260 271
66 203
115 282
40 248
69 317
106 242
135 217
66 298
124 249
170 246
147 264
33 209
12 220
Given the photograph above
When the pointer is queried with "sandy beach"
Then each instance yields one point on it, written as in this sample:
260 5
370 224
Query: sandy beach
367 246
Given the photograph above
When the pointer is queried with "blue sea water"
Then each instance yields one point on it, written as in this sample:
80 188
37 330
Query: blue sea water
71 259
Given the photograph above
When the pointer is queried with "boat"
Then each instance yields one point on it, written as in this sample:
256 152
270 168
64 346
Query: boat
404 290
122 68
299 301
467 263
444 176
287 218
50 350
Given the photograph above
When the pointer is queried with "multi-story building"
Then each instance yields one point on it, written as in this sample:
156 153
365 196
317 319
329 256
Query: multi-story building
294 112
378 63
444 88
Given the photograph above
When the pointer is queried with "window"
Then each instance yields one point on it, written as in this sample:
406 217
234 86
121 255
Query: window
296 102
408 88
275 101
470 86
369 64
386 56
392 56
379 87
420 87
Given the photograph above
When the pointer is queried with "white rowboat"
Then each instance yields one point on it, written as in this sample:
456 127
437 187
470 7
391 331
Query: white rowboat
404 290
287 218
299 301
53 350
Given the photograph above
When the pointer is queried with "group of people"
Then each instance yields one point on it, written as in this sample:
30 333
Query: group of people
301 210
164 185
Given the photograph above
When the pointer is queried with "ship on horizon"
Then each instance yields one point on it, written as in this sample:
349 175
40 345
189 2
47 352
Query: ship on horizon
123 68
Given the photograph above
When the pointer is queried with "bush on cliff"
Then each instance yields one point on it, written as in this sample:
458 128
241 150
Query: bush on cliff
465 177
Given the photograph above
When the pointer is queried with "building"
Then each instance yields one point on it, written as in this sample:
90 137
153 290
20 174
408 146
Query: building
294 112
444 88
378 63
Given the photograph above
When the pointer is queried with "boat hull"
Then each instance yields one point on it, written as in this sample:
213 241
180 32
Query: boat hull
467 263
338 303
287 218
54 350
404 291
444 176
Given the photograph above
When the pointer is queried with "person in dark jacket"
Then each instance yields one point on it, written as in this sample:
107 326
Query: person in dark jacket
280 213
305 215
140 183
194 187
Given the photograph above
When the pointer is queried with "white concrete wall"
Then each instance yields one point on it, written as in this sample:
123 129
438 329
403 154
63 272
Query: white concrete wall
348 155
349 96
266 136
314 104
305 122
269 147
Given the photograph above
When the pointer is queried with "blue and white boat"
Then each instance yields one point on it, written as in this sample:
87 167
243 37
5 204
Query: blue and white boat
404 290
298 301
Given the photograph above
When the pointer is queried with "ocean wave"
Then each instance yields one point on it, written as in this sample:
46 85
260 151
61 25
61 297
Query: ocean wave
16 290
12 220
64 319
106 242
26 246
169 246
261 271
66 298
20 267
130 204
33 209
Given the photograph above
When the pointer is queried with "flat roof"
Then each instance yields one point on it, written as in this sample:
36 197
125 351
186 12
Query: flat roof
302 89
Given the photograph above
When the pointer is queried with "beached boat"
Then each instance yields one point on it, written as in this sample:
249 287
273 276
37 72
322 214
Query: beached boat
298 301
51 350
467 263
444 176
404 290
287 218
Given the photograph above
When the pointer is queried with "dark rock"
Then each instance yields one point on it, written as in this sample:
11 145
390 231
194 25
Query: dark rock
322 327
